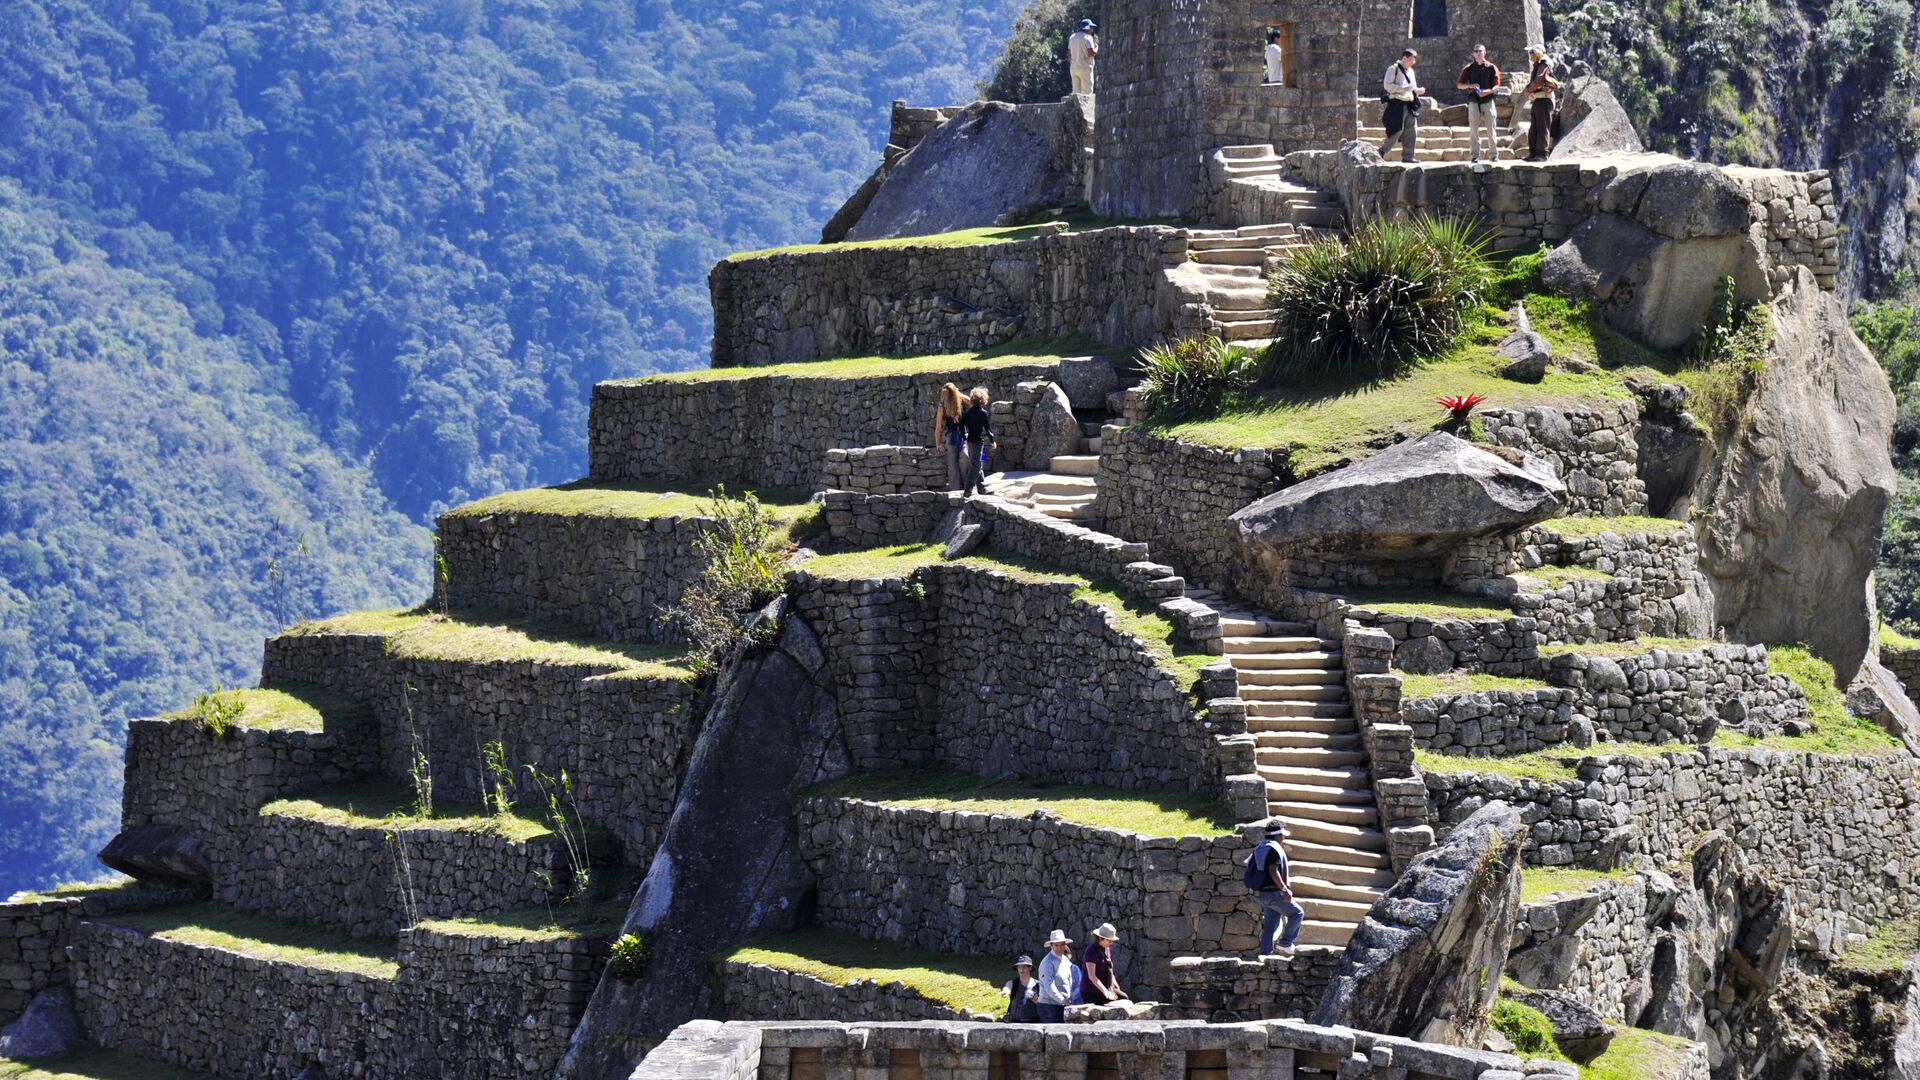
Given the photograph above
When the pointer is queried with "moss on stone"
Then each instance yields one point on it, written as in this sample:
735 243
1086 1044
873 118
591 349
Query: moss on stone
487 638
1155 814
1454 683
1431 604
1527 1028
1897 641
1638 1054
587 499
1638 647
1835 731
1586 528
290 708
965 983
1545 766
209 925
1557 576
1886 950
386 803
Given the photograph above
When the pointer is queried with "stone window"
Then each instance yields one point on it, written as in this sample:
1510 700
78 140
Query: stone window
1289 56
1429 18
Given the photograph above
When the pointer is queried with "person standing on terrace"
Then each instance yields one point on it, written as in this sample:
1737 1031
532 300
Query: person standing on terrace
1082 50
947 436
1102 987
976 423
1539 93
1402 93
1480 78
1053 989
1019 993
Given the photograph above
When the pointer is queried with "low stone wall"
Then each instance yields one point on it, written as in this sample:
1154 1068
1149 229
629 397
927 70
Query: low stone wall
310 871
1177 496
1663 695
621 738
1905 665
1228 990
907 124
468 1007
968 882
1585 610
1843 832
767 431
34 935
1498 646
867 521
1594 450
1594 946
1675 597
611 577
1492 723
903 301
1794 220
1028 533
764 992
885 470
708 1050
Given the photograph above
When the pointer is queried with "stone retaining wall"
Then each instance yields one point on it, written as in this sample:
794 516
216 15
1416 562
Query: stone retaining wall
1177 496
907 125
1228 990
1842 832
1023 531
709 1050
904 301
976 883
1595 450
769 431
885 470
1675 597
763 992
612 577
468 1007
868 521
1595 946
1905 665
34 935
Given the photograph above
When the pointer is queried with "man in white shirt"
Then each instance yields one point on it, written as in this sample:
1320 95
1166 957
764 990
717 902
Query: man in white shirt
1403 93
1276 59
1082 49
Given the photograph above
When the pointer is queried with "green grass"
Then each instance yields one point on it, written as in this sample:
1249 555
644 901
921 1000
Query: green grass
1527 1028
1461 682
1576 330
1546 766
601 918
898 561
1637 1054
1582 528
1537 884
969 983
292 708
1428 604
1886 950
1639 647
990 234
1557 576
1144 623
388 804
93 1063
585 498
964 367
1897 641
210 925
1156 814
482 638
112 883
1835 731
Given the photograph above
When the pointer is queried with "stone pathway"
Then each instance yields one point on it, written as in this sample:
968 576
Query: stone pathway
1309 752
1226 268
1070 487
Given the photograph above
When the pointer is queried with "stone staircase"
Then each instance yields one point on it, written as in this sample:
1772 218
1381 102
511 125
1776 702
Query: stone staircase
1070 487
1308 750
1227 267
1437 141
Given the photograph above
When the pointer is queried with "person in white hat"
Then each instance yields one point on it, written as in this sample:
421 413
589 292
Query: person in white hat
1267 873
1083 50
1053 988
1102 986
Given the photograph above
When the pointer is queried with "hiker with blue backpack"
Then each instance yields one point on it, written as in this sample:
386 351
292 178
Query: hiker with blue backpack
1266 873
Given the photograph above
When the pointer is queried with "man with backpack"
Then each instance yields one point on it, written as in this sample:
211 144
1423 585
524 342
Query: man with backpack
1402 93
1266 873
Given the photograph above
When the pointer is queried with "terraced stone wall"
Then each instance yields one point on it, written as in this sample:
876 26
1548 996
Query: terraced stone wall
1228 990
1594 450
33 951
761 992
1905 665
622 738
767 431
856 521
610 577
906 301
1176 497
1595 946
966 882
466 1007
907 125
1675 598
885 470
1842 831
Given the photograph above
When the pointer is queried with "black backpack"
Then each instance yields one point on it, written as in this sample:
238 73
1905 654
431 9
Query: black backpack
1254 876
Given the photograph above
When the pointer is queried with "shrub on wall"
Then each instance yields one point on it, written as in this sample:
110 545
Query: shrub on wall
1375 305
745 555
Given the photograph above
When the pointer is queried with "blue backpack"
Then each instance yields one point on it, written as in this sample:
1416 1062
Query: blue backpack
1255 875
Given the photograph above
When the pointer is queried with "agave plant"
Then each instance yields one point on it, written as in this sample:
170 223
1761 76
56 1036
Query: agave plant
1196 376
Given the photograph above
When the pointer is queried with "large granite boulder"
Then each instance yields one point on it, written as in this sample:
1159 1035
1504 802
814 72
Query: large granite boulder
1878 695
772 731
1426 961
1413 501
1795 504
1088 380
158 853
1593 123
991 163
1053 431
48 1028
1580 1032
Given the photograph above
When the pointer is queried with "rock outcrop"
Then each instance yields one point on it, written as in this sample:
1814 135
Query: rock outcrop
1053 431
730 864
1427 959
1581 1033
158 853
1593 123
49 1027
993 163
1414 501
1796 503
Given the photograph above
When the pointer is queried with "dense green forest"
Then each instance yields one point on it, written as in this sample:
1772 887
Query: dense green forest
281 278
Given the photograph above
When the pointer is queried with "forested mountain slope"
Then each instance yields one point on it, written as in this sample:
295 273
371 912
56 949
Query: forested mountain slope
279 273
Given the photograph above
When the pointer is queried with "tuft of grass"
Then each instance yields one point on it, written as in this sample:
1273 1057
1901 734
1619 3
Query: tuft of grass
585 498
1548 767
1638 1054
94 1063
1897 641
1557 576
1582 528
1528 1028
1639 647
1460 682
1542 883
209 925
1835 731
600 918
69 890
979 237
1429 604
961 366
1886 950
385 803
288 707
968 983
1154 814
1145 624
493 638
1576 330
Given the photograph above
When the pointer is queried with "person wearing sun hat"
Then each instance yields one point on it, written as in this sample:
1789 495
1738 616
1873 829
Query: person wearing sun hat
1102 987
1083 51
1054 987
1267 873
1019 993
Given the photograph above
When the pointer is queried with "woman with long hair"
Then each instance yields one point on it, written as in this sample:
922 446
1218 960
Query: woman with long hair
947 436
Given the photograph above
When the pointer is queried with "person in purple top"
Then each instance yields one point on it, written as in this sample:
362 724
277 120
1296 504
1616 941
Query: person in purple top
1101 988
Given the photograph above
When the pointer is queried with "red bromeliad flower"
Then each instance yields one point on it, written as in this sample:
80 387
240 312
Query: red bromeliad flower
1461 405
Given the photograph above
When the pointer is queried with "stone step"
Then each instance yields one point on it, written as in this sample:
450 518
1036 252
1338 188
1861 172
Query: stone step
1333 855
1327 216
1236 277
1320 740
1347 874
1349 777
1246 151
1312 658
1076 465
1045 484
1330 910
1087 512
1308 757
1259 724
1281 792
1246 331
1092 446
1254 255
1270 626
1331 934
1069 501
1317 888
1325 693
1277 643
1360 838
1298 710
1331 813
1294 677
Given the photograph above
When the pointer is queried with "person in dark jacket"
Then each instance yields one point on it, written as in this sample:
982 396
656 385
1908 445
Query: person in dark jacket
976 423
1102 986
1480 78
1019 992
1539 94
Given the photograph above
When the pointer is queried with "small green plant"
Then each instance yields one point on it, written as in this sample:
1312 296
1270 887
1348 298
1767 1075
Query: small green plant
419 766
218 713
744 569
1528 1029
1392 296
442 579
914 590
629 957
496 779
1196 376
1727 356
562 810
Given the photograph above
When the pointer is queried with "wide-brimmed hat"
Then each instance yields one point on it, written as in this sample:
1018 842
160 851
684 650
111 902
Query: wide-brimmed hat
1059 937
1540 49
1089 24
1106 930
1278 828
1024 961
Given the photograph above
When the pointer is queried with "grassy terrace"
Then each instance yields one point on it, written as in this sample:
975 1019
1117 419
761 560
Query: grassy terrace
1013 354
586 499
598 918
389 804
1556 576
1582 528
1156 814
93 1063
842 959
210 925
1428 603
291 708
1899 642
1639 647
988 234
477 638
1462 682
1133 617
1886 950
1542 883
